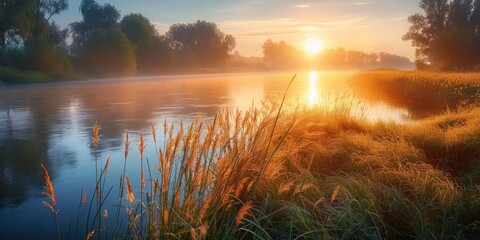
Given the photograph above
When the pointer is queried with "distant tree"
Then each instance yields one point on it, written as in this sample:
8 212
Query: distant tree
358 59
37 43
388 60
16 20
138 30
44 10
340 55
108 53
57 36
153 51
41 55
200 43
447 35
340 58
95 17
279 54
25 19
157 58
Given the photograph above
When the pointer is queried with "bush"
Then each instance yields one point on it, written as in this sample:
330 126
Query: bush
42 56
108 53
10 75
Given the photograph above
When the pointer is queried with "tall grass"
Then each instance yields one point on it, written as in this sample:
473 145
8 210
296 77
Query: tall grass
420 90
326 175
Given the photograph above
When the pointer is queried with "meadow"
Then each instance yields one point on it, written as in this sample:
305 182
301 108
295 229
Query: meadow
289 171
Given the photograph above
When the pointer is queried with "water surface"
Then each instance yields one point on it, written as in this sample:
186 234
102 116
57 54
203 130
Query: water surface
52 124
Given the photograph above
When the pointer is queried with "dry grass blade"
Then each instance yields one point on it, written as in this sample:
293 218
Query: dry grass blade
130 196
143 179
141 146
50 191
127 146
243 212
154 134
107 164
96 134
84 199
335 193
90 235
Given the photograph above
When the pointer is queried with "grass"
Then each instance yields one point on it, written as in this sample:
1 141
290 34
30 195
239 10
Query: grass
326 174
10 75
420 91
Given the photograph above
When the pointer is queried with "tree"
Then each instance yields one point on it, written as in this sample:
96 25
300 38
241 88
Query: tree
41 55
153 51
447 35
21 20
138 30
108 53
279 54
95 17
200 43
44 10
157 58
16 20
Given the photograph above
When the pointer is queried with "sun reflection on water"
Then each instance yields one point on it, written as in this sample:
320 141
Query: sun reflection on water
325 93
313 96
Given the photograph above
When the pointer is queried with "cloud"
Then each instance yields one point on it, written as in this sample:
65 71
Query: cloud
362 3
305 5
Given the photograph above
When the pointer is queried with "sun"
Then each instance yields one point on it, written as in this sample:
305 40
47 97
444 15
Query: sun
313 46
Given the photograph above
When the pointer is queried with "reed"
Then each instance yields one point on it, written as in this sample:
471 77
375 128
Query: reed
304 173
50 193
418 90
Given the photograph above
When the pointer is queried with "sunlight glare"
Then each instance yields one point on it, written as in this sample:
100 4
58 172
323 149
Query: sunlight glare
313 97
313 46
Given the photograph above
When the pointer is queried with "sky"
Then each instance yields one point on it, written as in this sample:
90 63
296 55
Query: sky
364 25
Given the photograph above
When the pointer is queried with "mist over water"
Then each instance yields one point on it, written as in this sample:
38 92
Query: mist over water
52 124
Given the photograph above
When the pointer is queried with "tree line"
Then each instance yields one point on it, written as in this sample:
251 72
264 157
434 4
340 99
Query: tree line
447 35
283 55
102 44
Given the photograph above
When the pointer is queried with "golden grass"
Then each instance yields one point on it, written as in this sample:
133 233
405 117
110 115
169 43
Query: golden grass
419 91
308 173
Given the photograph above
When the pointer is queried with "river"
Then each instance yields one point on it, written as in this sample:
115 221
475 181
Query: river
52 124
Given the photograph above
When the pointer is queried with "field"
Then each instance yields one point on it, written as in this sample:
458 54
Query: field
308 173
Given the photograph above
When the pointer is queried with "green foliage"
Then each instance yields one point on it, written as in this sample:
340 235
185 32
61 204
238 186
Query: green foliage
42 56
108 53
9 75
159 57
154 54
16 21
138 30
200 44
28 19
95 17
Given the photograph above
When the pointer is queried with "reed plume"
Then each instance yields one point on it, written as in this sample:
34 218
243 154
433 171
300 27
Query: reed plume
96 134
130 196
50 192
90 235
243 212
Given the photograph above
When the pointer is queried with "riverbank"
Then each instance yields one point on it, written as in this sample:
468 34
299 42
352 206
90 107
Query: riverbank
270 173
